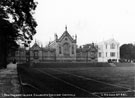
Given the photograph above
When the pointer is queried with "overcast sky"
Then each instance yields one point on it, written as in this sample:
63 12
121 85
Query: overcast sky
91 20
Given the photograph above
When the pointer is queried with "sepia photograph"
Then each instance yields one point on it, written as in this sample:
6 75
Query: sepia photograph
67 48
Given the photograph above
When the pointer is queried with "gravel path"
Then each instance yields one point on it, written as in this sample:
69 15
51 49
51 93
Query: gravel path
9 84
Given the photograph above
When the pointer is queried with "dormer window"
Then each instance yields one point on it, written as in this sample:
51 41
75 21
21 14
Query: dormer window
112 46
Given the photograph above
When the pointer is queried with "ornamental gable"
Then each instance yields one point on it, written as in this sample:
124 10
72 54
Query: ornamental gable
35 47
66 36
111 41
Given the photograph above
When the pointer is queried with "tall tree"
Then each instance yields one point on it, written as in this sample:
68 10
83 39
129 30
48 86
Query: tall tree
7 40
127 51
16 18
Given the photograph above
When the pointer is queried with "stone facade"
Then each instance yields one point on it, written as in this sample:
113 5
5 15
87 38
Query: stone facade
65 47
62 49
87 53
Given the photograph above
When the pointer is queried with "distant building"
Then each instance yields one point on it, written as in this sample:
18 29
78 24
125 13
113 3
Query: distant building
108 51
65 47
62 49
87 53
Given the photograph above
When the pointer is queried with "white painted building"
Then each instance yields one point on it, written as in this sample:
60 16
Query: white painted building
108 50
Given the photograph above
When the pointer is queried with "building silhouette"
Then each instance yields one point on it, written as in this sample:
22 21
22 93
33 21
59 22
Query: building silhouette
64 49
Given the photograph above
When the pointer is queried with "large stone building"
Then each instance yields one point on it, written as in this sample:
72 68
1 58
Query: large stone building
62 49
108 51
65 47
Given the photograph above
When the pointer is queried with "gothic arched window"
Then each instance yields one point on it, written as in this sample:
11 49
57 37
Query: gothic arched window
59 49
36 54
66 49
72 49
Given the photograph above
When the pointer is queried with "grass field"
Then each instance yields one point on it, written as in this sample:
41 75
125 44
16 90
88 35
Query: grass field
118 75
123 76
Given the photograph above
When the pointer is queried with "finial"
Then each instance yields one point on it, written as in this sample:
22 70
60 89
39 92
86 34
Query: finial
75 36
66 27
56 36
35 41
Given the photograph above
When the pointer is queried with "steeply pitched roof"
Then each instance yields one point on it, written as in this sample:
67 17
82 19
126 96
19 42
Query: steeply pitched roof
108 41
111 41
67 35
35 46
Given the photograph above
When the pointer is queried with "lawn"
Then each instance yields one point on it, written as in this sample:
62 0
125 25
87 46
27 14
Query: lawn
123 76
118 75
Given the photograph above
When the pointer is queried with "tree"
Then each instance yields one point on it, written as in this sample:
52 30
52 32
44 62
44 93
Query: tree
127 51
7 40
17 24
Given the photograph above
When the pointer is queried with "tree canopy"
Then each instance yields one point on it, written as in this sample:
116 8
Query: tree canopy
127 52
16 24
20 13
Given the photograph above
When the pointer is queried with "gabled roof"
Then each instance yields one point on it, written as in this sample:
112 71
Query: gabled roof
67 35
35 47
111 41
108 41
